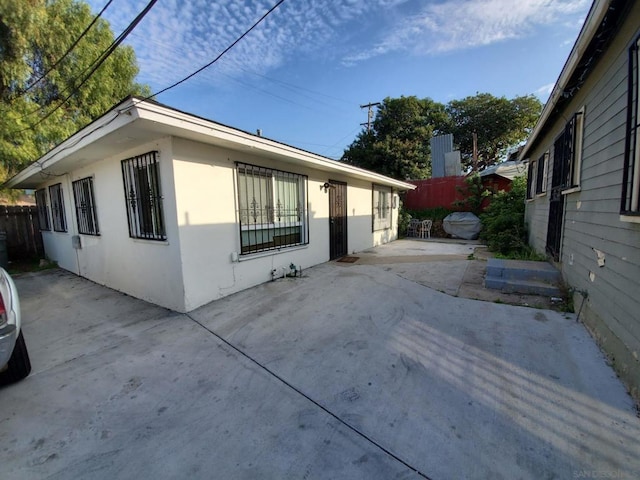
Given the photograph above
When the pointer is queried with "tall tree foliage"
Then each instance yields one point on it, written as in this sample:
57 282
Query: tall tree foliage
34 34
499 123
398 142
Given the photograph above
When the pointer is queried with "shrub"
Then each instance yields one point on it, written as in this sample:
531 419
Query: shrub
503 227
437 213
473 194
403 221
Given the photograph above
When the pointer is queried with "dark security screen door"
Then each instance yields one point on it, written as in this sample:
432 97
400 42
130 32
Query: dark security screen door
337 219
562 151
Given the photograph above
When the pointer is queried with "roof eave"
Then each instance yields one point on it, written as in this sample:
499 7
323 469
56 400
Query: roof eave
133 108
110 121
594 18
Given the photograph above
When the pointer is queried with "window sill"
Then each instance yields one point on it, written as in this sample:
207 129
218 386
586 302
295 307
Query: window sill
630 218
539 195
571 190
149 241
270 253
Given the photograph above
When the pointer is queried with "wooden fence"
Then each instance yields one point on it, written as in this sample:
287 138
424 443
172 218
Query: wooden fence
21 224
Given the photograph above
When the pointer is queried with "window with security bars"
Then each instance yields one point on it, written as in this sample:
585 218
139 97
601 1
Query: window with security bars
531 179
272 208
85 206
43 209
381 207
143 197
57 208
567 153
541 174
630 204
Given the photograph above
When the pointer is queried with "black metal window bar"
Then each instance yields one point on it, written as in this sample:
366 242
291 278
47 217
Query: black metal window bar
565 153
141 176
531 171
630 204
272 208
541 185
57 208
43 209
381 207
85 206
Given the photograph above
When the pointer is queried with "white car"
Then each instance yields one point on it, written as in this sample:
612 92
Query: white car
14 359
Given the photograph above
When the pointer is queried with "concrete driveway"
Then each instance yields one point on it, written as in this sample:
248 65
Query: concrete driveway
352 371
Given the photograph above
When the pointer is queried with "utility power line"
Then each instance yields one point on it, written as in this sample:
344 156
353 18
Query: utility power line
204 67
64 55
369 114
96 64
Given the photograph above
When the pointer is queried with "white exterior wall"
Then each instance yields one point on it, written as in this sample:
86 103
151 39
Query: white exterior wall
195 264
145 269
208 224
57 245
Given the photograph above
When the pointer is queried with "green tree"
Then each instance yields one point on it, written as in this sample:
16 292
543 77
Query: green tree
398 143
34 34
473 194
499 123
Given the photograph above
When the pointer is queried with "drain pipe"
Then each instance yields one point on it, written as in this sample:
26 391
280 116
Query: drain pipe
584 295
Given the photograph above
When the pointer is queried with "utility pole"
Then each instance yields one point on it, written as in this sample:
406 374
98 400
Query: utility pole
475 151
369 114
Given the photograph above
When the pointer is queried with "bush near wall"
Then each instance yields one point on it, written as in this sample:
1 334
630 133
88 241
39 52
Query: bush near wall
503 226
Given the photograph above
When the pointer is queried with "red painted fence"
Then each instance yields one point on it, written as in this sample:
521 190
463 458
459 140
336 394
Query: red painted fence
443 191
434 192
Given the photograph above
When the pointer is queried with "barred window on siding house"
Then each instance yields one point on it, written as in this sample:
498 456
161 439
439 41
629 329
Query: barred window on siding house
85 206
272 208
541 174
57 208
43 209
143 197
630 204
531 179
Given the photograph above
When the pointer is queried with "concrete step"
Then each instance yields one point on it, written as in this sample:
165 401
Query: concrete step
522 270
529 287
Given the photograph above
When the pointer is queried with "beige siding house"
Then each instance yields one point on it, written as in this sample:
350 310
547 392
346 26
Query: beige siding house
179 210
584 180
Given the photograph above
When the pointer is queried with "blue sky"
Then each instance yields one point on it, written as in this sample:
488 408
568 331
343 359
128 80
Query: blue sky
302 75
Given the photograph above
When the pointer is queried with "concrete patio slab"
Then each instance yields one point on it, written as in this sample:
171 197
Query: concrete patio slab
349 372
457 388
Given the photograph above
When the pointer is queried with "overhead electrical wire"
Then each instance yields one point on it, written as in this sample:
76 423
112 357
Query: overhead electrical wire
96 64
204 67
64 55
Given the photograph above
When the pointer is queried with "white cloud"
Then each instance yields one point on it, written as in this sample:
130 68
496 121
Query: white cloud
461 24
544 91
179 36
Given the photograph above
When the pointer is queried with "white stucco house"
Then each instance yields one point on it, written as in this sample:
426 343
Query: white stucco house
179 210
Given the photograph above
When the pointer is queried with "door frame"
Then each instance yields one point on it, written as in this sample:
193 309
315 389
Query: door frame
338 238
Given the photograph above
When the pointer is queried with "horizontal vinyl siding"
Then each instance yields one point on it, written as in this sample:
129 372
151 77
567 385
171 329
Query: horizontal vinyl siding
592 214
